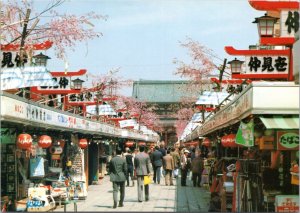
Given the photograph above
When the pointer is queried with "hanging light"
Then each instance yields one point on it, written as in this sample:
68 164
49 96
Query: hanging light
24 141
83 143
45 141
41 59
236 66
265 25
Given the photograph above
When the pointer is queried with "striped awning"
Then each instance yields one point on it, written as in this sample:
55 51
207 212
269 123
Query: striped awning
277 122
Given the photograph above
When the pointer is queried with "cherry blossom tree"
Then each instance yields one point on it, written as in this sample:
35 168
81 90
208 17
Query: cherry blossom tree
64 30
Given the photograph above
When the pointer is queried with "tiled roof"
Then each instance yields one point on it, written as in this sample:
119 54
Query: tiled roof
161 91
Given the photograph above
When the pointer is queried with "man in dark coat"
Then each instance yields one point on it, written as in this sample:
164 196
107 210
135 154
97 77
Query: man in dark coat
129 161
197 169
118 173
142 167
157 158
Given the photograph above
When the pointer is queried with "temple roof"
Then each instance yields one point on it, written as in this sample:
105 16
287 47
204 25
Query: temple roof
161 91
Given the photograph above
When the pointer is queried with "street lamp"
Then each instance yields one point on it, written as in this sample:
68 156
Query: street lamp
265 25
41 60
77 84
236 66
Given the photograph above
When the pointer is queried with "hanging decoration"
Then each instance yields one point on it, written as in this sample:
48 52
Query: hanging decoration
83 143
129 144
45 141
228 141
206 142
24 141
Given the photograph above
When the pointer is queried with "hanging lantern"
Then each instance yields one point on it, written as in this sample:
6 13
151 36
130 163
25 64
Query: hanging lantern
83 143
224 140
24 141
45 141
206 142
231 140
142 143
129 144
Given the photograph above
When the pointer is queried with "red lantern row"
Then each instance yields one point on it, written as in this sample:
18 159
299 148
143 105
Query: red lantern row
228 141
206 142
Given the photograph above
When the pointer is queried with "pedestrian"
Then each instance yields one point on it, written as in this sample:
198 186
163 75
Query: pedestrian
129 160
168 164
176 158
157 157
142 167
197 169
184 167
118 172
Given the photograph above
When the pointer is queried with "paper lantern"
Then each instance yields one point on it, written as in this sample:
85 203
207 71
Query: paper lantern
24 141
228 141
83 143
206 142
129 144
45 141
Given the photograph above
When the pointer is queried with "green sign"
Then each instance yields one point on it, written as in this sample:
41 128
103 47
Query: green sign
245 135
8 135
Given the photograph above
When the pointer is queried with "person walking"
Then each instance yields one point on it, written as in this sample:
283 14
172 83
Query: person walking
157 157
197 169
142 167
168 164
118 172
129 160
176 158
184 167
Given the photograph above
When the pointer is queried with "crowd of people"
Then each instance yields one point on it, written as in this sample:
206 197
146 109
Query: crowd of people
128 166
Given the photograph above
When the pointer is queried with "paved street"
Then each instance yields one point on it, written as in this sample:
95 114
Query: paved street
162 199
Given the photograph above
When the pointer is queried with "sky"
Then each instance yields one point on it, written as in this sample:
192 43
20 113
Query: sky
141 37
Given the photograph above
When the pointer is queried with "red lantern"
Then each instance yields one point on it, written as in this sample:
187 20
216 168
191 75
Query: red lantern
83 143
129 144
24 141
206 142
228 141
142 144
45 141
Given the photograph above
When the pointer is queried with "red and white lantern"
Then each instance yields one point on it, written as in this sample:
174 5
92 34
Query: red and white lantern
228 140
129 144
45 141
24 141
206 142
83 143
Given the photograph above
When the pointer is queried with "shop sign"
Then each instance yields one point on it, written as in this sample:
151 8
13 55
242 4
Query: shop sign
245 134
82 97
8 135
61 83
266 65
12 78
55 157
289 23
287 140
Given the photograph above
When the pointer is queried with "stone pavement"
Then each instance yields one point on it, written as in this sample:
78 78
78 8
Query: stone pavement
162 199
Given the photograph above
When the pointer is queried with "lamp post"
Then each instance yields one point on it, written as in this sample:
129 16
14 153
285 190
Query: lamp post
265 25
41 60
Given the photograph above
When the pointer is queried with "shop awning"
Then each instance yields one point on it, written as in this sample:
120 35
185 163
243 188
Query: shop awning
277 122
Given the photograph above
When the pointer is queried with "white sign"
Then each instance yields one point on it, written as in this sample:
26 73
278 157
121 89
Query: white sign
289 23
13 78
266 65
61 83
127 123
13 109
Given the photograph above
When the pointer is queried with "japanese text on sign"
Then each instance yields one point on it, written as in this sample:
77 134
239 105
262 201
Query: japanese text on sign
267 65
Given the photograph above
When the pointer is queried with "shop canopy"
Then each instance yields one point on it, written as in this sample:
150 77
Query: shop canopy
279 122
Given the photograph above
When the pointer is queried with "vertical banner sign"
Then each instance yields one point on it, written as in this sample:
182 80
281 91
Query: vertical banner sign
287 140
245 135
